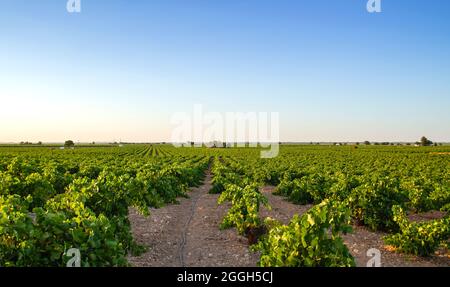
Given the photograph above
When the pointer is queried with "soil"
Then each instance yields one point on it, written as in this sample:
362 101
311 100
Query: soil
426 216
361 239
188 234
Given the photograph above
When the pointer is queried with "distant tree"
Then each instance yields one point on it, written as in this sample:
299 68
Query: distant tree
224 144
440 144
39 143
425 142
93 142
69 143
376 143
357 143
435 144
408 143
367 142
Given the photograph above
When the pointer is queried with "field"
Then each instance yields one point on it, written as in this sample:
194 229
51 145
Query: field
157 205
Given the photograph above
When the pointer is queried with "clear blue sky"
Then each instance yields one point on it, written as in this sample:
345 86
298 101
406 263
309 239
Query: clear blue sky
120 69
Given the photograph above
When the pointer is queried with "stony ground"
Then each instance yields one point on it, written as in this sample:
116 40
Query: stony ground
188 234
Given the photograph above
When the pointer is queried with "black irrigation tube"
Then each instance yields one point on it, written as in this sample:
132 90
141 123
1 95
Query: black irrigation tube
188 223
186 227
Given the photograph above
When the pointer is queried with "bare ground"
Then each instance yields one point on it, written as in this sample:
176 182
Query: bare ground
188 234
361 239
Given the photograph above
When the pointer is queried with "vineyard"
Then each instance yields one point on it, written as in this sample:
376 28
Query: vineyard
105 202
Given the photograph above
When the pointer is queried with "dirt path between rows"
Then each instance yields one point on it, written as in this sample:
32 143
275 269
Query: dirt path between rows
359 241
188 234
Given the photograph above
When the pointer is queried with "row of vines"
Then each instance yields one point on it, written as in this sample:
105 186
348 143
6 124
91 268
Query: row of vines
374 187
53 201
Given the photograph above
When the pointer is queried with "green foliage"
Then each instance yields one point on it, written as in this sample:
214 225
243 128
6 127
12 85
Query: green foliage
245 203
310 240
372 202
419 238
69 143
40 238
89 191
296 190
57 201
311 188
425 142
222 177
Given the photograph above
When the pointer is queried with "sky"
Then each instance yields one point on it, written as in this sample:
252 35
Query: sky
119 70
